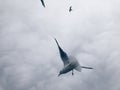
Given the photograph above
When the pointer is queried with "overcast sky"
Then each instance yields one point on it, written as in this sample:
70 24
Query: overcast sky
29 57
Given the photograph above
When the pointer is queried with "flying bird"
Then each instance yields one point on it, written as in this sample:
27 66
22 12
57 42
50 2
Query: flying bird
42 1
70 62
70 8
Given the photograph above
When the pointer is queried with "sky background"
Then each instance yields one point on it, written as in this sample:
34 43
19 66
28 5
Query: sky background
29 57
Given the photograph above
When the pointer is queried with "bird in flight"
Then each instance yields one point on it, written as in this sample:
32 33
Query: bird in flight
42 1
70 62
70 8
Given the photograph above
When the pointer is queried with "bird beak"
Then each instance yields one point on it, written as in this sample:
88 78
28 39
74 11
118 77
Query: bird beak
58 74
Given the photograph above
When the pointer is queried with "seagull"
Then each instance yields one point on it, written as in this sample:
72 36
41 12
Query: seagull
70 8
70 62
42 1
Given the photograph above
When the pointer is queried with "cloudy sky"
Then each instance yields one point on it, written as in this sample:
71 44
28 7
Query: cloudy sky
29 57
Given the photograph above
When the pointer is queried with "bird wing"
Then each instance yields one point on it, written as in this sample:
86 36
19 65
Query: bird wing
78 68
43 3
63 55
86 67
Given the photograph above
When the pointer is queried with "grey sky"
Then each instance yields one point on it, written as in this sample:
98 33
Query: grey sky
29 57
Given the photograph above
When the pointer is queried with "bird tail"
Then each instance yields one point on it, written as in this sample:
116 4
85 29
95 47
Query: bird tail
78 68
86 67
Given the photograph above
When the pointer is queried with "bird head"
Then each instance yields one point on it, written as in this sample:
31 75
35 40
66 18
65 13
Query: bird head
60 73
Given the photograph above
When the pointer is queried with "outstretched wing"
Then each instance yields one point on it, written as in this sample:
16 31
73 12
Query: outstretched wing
43 3
63 55
87 67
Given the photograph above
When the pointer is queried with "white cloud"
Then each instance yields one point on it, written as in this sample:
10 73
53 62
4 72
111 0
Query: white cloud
29 58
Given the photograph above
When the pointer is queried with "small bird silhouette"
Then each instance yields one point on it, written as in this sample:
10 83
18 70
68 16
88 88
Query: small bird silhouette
42 1
70 62
70 8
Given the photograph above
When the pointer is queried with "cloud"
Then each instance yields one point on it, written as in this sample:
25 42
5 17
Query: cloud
29 57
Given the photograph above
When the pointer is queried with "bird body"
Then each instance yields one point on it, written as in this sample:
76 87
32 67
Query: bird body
73 64
70 8
70 62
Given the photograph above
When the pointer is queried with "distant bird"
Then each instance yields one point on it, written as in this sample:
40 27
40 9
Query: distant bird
70 62
70 8
42 1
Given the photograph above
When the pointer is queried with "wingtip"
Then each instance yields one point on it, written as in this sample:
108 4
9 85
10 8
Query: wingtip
54 38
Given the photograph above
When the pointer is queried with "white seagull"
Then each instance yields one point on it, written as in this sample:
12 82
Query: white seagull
70 62
70 8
